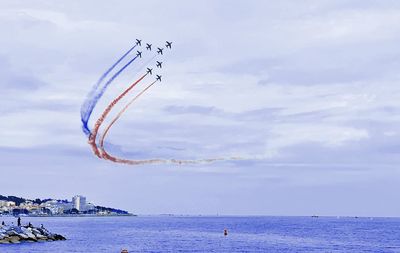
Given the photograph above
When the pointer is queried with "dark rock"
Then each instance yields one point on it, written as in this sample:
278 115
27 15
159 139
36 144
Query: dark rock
14 234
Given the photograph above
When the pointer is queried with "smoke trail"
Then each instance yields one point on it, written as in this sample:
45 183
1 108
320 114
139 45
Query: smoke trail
91 101
119 115
90 105
107 156
93 135
85 115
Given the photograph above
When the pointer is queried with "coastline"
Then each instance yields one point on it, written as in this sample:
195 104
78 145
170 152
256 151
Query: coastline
70 215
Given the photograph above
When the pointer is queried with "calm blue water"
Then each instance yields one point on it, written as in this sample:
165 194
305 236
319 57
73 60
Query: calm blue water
205 234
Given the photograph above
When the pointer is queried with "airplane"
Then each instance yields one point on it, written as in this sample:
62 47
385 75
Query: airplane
159 51
148 46
139 54
139 42
159 64
149 71
158 78
168 44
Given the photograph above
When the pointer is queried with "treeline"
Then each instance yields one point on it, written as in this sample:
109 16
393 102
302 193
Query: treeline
111 210
19 200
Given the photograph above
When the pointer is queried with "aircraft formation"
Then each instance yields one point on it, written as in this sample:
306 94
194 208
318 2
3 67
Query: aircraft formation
95 139
168 44
97 135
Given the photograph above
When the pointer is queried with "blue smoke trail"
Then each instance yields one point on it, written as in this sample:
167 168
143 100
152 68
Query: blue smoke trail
85 109
94 96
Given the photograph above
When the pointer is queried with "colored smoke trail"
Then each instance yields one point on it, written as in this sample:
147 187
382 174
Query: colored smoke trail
104 154
93 135
96 94
85 116
118 116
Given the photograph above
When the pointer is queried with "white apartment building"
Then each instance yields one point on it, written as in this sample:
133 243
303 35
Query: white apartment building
79 203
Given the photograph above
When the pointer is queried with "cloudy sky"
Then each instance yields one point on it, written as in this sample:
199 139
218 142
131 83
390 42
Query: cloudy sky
306 92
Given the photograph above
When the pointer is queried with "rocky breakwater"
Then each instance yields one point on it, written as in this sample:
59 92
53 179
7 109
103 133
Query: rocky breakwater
16 234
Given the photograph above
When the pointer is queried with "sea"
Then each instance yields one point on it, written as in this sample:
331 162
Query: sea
206 234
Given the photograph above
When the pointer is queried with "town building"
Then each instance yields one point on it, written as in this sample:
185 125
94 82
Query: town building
79 203
4 203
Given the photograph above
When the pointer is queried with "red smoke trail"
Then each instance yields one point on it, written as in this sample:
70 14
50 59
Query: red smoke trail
112 158
104 153
93 135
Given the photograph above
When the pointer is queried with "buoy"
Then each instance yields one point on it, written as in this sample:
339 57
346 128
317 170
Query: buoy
225 232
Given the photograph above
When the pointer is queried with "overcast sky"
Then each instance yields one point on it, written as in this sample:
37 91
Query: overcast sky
306 92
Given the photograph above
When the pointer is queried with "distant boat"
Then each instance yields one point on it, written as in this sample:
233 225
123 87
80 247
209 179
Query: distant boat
314 216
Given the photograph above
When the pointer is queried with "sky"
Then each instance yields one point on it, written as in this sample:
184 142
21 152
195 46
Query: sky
306 93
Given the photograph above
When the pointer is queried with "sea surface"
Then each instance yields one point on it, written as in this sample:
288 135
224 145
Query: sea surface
205 234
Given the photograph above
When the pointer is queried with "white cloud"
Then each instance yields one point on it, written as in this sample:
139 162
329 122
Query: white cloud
286 135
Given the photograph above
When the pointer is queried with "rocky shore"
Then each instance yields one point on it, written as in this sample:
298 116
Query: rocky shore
16 234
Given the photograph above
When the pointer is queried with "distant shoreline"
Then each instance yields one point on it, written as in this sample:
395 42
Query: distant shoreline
201 216
69 215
